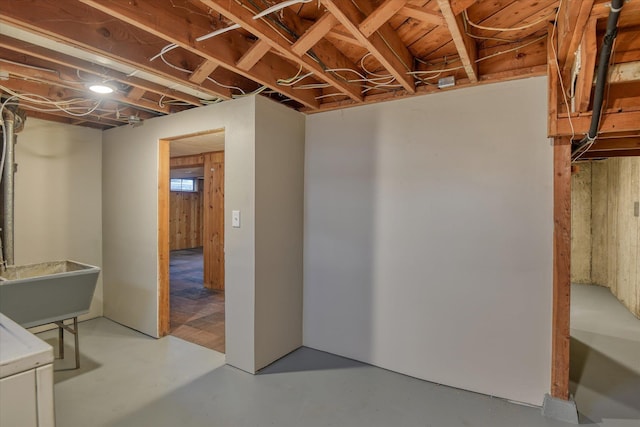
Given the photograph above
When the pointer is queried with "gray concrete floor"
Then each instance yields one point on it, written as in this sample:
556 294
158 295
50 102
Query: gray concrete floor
129 379
605 358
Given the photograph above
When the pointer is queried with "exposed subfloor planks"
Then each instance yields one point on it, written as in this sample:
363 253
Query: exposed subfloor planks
197 313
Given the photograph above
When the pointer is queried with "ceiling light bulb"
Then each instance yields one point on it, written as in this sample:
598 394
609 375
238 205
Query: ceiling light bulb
101 88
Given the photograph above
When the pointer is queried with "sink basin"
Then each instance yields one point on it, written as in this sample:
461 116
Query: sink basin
37 294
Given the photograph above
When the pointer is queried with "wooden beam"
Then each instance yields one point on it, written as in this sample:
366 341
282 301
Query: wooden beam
164 178
203 71
623 73
561 338
378 17
343 36
213 220
136 93
93 69
314 34
97 33
612 153
502 76
253 55
225 49
192 161
328 53
613 144
422 15
552 83
610 122
458 6
465 45
571 28
66 79
584 82
385 44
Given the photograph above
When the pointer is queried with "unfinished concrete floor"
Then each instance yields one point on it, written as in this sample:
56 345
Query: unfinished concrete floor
129 379
605 358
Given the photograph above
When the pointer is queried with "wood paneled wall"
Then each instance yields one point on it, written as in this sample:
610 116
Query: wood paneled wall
213 218
185 223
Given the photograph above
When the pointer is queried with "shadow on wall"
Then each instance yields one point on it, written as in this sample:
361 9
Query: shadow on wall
603 387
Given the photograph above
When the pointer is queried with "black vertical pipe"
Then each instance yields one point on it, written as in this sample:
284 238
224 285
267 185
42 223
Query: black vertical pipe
603 69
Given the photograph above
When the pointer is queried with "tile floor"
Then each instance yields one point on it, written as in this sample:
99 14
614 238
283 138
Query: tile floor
197 313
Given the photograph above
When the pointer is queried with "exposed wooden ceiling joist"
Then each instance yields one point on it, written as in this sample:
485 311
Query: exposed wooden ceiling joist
384 45
225 49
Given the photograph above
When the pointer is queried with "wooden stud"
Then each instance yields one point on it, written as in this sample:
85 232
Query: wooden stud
610 122
607 154
465 45
422 15
213 219
584 82
93 69
136 93
385 44
328 53
191 161
552 83
313 35
503 76
253 55
458 6
561 338
164 325
94 31
65 80
623 73
203 71
574 25
378 17
225 49
614 144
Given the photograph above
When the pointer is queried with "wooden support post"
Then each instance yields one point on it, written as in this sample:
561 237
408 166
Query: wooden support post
163 238
561 338
213 219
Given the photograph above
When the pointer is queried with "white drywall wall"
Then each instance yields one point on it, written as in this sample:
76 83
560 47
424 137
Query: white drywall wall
130 200
58 197
279 213
428 237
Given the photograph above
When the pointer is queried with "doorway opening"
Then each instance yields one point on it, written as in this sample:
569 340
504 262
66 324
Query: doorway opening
191 238
605 288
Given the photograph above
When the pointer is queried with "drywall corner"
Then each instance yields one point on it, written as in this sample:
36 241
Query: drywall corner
279 175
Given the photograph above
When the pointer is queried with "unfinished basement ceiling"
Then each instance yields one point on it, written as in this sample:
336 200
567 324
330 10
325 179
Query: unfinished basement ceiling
166 56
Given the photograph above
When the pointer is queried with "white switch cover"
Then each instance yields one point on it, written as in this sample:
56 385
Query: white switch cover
235 219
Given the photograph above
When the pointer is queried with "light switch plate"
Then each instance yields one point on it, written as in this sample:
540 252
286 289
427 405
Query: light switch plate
235 219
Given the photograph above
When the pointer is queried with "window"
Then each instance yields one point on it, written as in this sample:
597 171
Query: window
179 184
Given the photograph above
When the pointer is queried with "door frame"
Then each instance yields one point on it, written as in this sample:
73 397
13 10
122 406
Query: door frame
164 252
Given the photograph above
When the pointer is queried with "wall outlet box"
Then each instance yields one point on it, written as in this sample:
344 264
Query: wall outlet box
446 82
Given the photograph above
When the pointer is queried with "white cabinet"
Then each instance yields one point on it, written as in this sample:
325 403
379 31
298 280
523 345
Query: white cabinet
26 378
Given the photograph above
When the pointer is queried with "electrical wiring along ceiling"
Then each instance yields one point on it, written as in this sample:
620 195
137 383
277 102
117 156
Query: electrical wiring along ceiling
162 57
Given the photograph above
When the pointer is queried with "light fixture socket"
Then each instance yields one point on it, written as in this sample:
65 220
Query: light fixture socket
101 88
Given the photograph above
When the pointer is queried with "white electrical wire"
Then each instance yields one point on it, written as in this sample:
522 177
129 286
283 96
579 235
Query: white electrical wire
555 58
279 6
522 27
218 32
164 50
